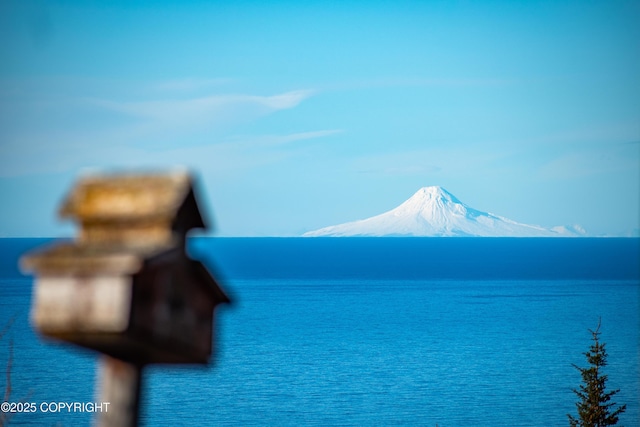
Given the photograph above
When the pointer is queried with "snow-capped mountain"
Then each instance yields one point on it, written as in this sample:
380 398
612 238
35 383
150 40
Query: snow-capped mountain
433 211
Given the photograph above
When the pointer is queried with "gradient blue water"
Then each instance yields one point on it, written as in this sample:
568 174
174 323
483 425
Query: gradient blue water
456 332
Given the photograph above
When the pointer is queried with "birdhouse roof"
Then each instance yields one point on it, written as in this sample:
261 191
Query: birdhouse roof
126 198
71 258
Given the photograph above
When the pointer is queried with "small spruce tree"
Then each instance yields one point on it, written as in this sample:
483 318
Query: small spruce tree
594 404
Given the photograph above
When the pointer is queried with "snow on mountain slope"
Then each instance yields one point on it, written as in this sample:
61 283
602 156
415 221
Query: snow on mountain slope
433 211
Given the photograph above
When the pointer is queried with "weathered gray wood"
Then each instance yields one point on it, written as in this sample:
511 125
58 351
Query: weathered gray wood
120 384
72 303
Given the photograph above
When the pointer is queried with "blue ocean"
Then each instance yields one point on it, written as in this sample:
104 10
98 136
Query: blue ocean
369 332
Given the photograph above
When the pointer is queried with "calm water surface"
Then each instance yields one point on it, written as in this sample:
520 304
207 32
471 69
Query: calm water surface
374 332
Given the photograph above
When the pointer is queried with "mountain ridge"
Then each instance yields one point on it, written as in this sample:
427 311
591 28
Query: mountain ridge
435 212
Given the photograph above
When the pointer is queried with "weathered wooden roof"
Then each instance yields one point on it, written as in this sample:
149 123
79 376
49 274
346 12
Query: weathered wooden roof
127 198
71 258
74 259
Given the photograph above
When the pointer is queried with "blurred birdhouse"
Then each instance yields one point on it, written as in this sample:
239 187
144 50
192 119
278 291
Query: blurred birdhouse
126 287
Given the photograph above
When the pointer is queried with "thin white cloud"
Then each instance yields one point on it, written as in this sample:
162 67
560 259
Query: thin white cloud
179 110
237 154
274 140
308 135
232 155
50 137
283 101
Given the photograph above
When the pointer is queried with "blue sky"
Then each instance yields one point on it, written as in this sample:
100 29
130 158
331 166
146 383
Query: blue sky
299 116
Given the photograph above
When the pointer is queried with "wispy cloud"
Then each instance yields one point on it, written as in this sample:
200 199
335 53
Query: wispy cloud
46 136
275 140
208 108
235 154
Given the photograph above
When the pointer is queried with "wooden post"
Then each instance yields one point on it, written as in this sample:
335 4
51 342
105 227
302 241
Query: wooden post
119 384
125 286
